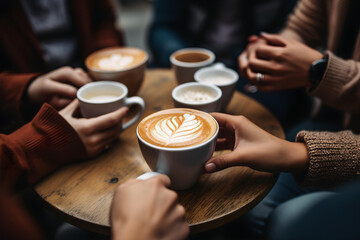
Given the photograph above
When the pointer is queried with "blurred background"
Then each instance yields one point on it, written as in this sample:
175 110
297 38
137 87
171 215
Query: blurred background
134 17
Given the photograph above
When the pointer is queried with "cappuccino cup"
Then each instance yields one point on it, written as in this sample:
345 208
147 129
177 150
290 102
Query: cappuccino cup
177 142
122 64
221 76
98 98
187 61
201 96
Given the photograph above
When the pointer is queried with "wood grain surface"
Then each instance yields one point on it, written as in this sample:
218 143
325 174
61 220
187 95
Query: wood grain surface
81 193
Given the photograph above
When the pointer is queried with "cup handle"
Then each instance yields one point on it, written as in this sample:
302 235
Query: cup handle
147 175
132 101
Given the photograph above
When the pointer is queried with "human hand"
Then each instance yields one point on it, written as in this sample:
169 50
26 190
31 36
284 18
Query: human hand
96 133
58 88
253 147
284 63
147 209
243 59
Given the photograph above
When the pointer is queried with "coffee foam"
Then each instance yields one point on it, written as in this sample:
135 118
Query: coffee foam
115 62
217 80
177 128
196 96
116 59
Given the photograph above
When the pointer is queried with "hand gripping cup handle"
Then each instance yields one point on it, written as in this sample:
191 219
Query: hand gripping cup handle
134 101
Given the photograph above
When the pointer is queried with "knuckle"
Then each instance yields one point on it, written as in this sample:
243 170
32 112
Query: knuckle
181 210
67 69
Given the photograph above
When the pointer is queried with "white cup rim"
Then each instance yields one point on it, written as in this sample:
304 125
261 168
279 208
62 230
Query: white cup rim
181 148
101 83
234 79
94 69
176 62
189 84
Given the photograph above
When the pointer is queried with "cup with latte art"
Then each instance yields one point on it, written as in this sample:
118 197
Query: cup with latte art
177 142
122 64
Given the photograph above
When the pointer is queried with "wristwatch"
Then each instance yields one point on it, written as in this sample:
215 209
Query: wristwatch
317 70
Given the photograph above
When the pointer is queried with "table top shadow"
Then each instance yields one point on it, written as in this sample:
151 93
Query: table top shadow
81 193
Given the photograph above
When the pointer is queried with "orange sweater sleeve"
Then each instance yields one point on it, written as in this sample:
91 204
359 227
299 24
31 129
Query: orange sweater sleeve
38 148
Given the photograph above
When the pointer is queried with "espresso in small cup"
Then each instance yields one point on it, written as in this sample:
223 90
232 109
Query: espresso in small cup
187 61
98 98
177 142
201 96
122 64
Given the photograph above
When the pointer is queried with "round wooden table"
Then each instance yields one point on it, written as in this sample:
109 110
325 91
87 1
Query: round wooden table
82 193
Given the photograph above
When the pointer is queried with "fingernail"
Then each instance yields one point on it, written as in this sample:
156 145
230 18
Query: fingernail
210 167
263 33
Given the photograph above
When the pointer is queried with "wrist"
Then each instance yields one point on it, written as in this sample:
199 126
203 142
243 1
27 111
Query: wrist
298 158
317 70
130 231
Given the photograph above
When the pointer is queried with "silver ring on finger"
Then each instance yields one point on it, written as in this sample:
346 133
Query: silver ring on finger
259 77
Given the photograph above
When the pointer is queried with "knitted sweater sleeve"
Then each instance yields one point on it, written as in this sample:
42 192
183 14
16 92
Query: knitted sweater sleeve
340 86
334 157
38 148
308 23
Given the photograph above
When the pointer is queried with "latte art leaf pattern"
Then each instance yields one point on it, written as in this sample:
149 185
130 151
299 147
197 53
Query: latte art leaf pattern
178 129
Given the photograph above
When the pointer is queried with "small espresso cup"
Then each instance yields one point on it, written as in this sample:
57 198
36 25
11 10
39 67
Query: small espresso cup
177 142
221 76
187 61
201 96
122 64
98 98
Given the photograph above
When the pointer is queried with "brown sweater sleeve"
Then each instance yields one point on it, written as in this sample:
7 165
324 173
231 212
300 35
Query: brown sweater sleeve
340 86
12 89
308 23
334 157
38 148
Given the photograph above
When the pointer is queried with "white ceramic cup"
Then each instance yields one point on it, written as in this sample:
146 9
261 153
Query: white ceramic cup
98 98
132 76
201 96
184 165
221 76
184 70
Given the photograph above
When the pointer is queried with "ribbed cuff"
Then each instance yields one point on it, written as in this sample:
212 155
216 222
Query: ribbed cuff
335 77
334 157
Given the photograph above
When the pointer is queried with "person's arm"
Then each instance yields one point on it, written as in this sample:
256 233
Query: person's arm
167 32
340 85
253 147
333 157
308 23
38 148
147 209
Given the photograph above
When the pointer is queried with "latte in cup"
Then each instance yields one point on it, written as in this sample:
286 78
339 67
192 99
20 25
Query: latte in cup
121 64
116 59
177 128
200 96
102 95
177 142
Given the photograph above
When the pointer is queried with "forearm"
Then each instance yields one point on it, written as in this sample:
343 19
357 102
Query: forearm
12 91
308 23
39 148
333 157
340 85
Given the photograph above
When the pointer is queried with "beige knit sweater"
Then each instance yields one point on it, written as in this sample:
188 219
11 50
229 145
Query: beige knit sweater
334 157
